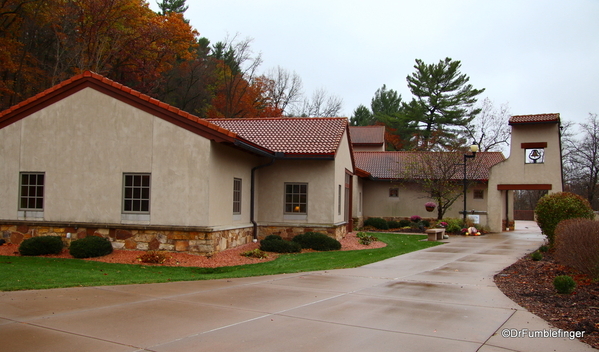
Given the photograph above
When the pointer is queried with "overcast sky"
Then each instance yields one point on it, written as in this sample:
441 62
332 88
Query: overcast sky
538 56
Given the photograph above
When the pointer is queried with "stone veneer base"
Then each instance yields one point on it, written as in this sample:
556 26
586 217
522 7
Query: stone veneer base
163 238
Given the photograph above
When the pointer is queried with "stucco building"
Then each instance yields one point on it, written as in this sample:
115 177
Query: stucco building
93 157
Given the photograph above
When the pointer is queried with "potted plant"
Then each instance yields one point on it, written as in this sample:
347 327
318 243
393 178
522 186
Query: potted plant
430 206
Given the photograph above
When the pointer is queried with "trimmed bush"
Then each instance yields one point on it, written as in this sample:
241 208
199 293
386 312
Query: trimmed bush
279 246
89 247
317 241
41 245
564 284
377 223
577 245
404 223
272 237
394 224
555 207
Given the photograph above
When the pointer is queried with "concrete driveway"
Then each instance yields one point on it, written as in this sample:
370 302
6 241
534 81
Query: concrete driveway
438 299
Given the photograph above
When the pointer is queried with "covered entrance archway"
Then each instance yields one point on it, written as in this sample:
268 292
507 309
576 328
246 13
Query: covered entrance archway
508 190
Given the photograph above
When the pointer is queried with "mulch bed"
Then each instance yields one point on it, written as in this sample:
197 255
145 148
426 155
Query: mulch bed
530 284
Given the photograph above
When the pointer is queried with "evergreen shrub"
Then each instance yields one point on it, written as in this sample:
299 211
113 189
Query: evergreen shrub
392 224
377 223
404 223
555 207
564 284
89 247
279 246
272 237
317 241
41 245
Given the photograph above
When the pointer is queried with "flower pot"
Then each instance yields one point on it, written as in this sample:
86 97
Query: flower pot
429 209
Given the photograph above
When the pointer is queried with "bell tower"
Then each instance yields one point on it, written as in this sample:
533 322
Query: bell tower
535 163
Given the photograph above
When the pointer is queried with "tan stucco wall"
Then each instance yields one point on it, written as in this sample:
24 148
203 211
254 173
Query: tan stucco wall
377 202
323 178
342 163
226 164
85 142
514 170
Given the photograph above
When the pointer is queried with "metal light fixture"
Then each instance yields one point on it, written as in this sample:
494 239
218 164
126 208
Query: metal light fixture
473 150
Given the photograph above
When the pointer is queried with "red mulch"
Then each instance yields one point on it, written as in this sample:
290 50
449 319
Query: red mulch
229 257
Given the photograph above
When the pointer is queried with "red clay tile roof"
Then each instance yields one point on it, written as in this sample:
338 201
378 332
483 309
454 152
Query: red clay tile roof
398 165
291 135
539 118
120 92
367 135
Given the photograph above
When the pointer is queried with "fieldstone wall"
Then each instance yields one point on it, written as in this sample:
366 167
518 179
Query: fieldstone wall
201 242
287 233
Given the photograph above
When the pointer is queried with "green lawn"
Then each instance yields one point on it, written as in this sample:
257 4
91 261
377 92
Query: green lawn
32 273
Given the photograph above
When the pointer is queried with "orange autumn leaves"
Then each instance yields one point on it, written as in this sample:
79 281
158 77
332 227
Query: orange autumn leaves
45 42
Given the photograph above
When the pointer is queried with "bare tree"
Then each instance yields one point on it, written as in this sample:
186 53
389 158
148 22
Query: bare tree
490 128
582 160
285 88
440 175
320 105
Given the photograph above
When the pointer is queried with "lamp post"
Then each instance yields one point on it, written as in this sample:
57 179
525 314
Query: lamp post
473 149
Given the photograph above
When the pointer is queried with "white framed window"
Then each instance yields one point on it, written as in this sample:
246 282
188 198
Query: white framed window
136 193
236 196
296 198
394 192
31 191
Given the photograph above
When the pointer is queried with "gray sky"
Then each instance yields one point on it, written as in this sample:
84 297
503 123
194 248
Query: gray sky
538 56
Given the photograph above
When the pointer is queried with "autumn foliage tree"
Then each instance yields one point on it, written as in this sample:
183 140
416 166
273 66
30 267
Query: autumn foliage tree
45 42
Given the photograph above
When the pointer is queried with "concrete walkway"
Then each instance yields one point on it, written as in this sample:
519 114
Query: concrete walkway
439 299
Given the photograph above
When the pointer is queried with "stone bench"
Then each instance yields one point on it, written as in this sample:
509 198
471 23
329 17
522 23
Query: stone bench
435 234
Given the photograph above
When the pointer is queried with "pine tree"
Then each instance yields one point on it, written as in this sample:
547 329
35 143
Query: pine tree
443 102
177 6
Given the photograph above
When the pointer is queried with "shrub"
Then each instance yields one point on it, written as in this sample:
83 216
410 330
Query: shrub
426 223
564 284
153 257
536 256
544 249
378 223
41 245
273 237
279 246
255 253
317 241
366 238
415 218
454 225
92 246
553 208
404 223
577 245
394 224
